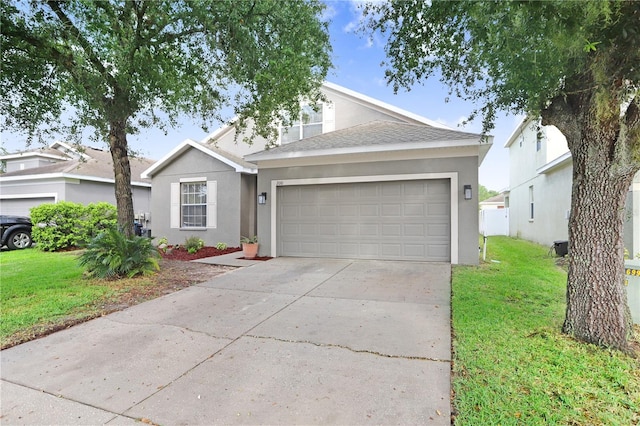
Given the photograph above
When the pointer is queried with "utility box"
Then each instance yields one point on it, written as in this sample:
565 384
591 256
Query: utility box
632 284
561 247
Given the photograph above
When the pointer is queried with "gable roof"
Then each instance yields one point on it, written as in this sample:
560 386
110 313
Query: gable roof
378 104
240 165
354 96
375 136
92 164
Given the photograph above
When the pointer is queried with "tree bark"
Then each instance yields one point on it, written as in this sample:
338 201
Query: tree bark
597 310
122 172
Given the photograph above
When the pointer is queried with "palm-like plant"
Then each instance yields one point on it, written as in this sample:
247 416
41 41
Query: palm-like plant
112 255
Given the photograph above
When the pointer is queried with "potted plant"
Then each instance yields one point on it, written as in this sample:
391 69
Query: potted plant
249 246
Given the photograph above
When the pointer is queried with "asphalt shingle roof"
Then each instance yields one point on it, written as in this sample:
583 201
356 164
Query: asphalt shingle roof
100 165
372 134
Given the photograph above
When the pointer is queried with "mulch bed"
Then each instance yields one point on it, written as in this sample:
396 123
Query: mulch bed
181 253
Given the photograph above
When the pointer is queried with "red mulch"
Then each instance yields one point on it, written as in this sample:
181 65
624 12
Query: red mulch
182 254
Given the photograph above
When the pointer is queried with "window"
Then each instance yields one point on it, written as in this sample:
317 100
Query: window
193 203
531 202
309 124
538 144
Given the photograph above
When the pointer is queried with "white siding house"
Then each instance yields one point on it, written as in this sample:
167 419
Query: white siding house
539 197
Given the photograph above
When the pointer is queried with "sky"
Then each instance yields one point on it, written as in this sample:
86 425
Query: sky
357 66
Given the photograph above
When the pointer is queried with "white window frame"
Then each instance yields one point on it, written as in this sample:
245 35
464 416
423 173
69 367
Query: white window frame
531 204
175 220
327 121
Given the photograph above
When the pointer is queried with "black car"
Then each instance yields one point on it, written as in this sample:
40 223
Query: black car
15 232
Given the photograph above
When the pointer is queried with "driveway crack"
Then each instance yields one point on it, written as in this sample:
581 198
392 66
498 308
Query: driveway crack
357 351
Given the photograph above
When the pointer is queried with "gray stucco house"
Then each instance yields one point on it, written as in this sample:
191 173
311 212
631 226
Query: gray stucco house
62 172
353 178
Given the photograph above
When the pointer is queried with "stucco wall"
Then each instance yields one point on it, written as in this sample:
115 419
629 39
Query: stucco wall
191 164
466 168
552 200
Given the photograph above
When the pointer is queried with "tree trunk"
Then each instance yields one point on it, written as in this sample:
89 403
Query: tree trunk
597 310
122 172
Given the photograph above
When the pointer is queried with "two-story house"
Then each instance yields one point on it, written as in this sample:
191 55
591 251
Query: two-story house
352 178
539 197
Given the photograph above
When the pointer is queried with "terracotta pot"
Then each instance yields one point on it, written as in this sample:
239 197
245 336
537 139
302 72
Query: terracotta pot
249 250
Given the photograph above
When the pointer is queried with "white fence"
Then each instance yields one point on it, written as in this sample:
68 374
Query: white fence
494 222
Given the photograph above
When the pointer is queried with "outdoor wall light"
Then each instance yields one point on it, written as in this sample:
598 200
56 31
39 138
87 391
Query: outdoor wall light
467 192
262 198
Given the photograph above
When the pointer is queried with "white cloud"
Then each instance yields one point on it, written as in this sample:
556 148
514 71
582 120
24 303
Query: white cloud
328 13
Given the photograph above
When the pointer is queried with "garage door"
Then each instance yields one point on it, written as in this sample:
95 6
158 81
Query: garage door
399 220
21 206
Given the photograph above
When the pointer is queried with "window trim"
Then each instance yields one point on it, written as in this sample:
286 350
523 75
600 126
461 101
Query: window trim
299 122
211 212
531 204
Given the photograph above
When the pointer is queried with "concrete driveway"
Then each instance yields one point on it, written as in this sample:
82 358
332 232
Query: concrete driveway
288 341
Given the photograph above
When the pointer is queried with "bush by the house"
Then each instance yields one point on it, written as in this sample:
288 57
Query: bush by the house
112 255
66 224
193 244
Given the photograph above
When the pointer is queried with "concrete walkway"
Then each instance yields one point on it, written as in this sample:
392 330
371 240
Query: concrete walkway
288 341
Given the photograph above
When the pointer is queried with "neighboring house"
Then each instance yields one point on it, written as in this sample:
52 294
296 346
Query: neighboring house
353 178
539 197
61 172
492 203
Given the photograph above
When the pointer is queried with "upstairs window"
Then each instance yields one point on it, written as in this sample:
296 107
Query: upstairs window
308 124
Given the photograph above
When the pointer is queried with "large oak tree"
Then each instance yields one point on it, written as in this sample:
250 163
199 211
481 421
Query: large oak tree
119 66
576 65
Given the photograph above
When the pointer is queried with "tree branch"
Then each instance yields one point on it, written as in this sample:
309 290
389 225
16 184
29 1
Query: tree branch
86 46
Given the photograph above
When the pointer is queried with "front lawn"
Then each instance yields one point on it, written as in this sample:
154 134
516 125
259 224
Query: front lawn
513 366
41 292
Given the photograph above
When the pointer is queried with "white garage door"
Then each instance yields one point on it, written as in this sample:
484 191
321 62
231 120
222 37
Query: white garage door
21 206
404 220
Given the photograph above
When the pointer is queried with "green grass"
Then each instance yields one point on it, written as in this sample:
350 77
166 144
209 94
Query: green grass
512 364
39 288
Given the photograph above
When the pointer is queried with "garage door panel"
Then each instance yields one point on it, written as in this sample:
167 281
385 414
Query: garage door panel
370 230
392 250
377 220
328 229
392 230
438 209
416 229
438 231
414 250
412 209
369 210
348 229
392 210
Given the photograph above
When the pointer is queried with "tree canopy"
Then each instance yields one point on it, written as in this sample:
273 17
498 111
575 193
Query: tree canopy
121 66
577 66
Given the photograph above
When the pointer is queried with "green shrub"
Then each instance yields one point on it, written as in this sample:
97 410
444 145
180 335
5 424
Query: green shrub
67 224
56 225
98 218
193 244
221 246
112 255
